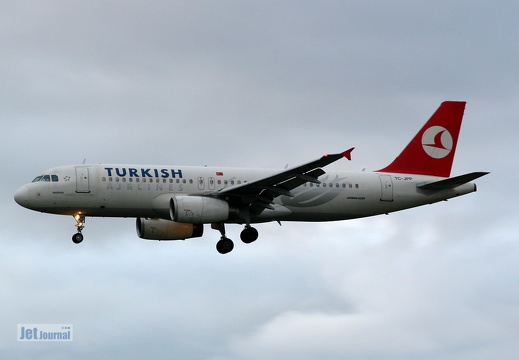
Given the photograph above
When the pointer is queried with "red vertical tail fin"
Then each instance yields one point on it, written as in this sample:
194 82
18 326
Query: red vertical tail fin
431 152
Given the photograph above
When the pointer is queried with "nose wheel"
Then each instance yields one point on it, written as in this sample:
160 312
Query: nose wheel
77 238
80 225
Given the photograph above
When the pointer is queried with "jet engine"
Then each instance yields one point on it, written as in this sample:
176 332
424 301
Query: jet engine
159 229
201 210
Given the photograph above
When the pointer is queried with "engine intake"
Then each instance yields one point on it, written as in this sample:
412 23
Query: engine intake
201 210
159 229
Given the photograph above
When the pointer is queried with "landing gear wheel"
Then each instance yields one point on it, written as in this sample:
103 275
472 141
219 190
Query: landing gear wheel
249 234
225 245
77 238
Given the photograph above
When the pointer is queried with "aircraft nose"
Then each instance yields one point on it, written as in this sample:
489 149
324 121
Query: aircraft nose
21 196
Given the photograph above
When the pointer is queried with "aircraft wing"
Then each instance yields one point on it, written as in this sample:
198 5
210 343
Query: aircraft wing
259 194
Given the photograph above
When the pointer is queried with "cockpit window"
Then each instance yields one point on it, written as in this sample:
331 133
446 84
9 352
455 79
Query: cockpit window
53 178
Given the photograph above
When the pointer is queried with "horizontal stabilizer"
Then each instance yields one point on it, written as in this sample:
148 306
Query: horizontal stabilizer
452 182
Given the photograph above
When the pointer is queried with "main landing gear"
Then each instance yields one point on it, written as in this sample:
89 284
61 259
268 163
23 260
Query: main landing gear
80 224
225 245
249 234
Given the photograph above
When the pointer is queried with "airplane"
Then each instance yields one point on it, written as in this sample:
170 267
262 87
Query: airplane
175 202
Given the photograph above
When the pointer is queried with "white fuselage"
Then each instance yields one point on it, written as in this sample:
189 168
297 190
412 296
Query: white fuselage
138 191
174 202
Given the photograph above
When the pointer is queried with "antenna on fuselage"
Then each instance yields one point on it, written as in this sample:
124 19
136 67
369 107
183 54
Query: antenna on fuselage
84 161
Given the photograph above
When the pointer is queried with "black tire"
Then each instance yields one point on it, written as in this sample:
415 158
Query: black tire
77 238
248 235
224 246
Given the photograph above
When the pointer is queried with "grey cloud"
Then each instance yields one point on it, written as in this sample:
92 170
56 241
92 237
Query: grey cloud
261 85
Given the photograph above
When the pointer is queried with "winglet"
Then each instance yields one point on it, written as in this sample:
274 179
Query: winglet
347 153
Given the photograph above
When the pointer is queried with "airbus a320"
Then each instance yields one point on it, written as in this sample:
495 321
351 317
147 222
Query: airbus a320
175 202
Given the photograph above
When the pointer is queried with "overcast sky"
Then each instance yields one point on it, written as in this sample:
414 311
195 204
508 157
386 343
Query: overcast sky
261 84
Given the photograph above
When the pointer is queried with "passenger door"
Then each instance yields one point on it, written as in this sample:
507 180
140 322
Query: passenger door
82 179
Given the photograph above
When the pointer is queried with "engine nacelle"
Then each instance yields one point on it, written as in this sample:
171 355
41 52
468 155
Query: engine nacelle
159 229
201 210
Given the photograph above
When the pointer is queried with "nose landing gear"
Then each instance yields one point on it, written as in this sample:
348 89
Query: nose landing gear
80 224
